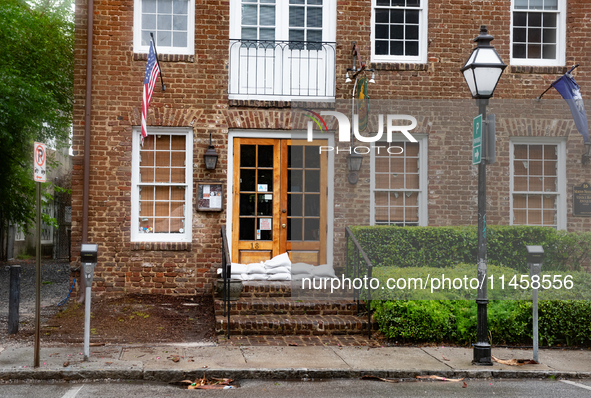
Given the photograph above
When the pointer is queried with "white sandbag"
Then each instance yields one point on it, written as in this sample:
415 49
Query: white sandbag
299 277
279 270
240 277
257 277
256 268
323 271
239 268
281 260
301 268
280 277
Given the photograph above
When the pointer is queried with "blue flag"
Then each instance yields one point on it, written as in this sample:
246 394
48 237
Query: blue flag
570 91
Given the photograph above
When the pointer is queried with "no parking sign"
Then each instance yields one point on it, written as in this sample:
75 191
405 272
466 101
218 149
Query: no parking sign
40 159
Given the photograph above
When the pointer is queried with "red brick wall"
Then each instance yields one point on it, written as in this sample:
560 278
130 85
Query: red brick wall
196 96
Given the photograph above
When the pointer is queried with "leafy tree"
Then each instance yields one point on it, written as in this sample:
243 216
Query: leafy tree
36 94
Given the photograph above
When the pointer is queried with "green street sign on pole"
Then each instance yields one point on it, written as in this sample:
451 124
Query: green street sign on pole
477 140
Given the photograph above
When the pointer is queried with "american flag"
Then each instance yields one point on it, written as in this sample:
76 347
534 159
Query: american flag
152 72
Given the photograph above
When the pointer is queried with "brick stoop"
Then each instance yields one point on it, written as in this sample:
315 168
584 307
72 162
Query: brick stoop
266 308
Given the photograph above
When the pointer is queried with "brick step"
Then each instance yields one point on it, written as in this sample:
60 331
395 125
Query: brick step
260 289
286 306
293 325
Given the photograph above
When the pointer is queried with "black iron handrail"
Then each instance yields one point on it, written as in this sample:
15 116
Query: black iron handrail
354 269
282 68
226 275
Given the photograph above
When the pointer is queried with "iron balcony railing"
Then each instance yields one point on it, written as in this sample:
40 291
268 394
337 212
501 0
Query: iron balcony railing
281 70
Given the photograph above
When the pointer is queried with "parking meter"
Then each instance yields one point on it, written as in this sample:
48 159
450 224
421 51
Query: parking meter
535 258
88 259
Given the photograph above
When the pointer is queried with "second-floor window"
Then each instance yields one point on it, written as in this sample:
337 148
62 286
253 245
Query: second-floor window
172 22
399 30
538 32
282 49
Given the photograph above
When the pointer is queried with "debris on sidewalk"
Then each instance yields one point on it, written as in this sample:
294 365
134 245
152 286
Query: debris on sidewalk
433 377
206 384
515 362
370 377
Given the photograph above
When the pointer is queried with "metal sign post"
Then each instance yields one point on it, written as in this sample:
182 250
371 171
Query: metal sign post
535 257
88 256
39 176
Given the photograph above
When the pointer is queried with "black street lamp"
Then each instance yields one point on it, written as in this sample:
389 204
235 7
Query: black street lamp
482 72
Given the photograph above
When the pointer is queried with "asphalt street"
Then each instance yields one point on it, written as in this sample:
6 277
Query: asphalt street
327 388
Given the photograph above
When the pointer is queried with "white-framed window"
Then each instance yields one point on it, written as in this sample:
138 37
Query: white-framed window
162 185
399 30
399 183
538 32
538 182
172 22
281 49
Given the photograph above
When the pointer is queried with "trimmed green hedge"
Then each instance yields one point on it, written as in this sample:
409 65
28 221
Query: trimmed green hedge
420 284
448 246
509 322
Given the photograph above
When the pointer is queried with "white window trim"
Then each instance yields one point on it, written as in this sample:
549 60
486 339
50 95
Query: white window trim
560 174
296 135
560 40
187 236
137 33
423 38
423 140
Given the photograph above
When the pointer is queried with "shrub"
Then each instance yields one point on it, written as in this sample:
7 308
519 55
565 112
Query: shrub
447 246
562 323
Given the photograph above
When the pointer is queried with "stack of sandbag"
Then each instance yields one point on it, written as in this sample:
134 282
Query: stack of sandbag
279 268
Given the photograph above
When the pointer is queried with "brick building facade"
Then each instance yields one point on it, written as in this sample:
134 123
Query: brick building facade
233 71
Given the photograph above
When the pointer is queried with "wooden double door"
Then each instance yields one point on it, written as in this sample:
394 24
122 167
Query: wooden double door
279 200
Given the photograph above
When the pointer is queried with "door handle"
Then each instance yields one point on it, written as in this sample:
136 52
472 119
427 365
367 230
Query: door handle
284 211
283 225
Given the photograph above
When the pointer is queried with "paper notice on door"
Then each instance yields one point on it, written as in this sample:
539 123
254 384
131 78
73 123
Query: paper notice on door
265 224
215 200
262 188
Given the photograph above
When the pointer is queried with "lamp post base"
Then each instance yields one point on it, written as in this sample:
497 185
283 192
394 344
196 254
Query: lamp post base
482 355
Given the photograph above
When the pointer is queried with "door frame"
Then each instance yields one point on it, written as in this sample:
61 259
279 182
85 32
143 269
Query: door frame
295 135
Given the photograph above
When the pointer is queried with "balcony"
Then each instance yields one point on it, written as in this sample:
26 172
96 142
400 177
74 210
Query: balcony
282 70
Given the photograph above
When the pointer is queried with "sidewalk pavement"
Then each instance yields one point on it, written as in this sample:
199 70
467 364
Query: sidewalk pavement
274 362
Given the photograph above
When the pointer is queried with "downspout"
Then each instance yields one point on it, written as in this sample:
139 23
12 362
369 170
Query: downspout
88 106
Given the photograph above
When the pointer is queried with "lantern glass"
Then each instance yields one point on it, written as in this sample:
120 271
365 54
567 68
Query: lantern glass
354 162
211 158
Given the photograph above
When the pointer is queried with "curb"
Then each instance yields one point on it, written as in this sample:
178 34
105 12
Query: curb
168 375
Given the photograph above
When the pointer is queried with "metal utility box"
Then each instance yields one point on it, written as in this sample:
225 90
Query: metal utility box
535 258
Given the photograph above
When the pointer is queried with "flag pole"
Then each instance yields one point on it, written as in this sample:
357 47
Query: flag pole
158 62
545 91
